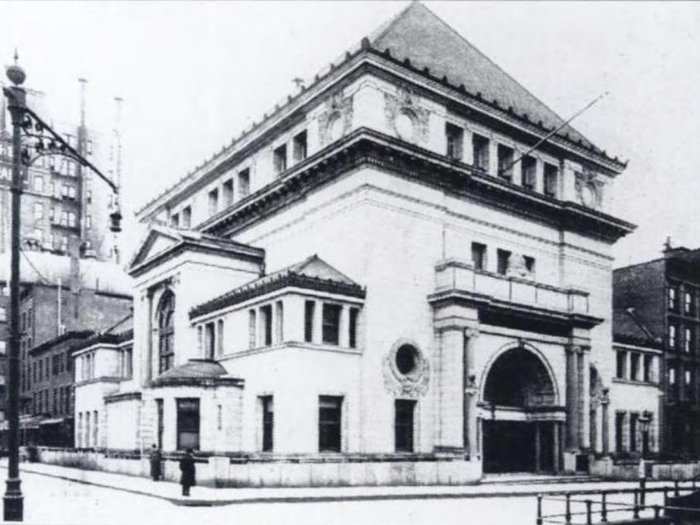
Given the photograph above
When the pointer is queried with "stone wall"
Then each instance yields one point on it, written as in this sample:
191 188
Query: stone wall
224 471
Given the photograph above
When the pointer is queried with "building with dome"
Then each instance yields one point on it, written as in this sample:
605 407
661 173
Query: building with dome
380 282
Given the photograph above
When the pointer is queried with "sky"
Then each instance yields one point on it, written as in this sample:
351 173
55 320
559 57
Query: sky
193 75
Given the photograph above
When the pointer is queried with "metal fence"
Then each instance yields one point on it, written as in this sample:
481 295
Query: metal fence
605 506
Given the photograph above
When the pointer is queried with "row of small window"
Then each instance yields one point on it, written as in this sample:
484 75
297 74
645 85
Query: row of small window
54 401
238 187
675 390
54 241
481 151
87 429
49 366
85 365
330 424
687 295
480 260
635 366
630 434
681 338
59 217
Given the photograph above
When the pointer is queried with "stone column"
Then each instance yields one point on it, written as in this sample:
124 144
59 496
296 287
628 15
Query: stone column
539 175
584 397
318 323
471 392
605 437
538 458
451 389
556 447
150 330
571 398
344 327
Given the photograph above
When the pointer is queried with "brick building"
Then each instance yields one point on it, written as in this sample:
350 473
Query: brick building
665 296
62 299
369 282
60 198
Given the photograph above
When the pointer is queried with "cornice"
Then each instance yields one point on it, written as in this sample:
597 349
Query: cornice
368 148
288 114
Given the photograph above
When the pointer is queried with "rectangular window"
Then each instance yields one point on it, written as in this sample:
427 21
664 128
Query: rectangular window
95 429
529 264
38 211
329 423
268 420
38 184
88 221
620 372
186 217
213 201
244 183
220 337
404 410
506 156
503 261
174 220
354 313
454 136
160 425
252 343
688 303
227 190
309 308
551 180
619 431
300 147
280 159
671 371
331 323
648 361
266 314
634 366
127 356
480 147
187 423
209 341
279 322
634 418
673 298
479 256
687 340
528 166
672 336
688 376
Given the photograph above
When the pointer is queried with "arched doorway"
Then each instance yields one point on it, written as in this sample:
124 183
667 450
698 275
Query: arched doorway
520 429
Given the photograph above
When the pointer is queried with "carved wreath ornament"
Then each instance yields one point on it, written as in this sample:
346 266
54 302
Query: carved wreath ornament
336 119
589 189
405 115
406 371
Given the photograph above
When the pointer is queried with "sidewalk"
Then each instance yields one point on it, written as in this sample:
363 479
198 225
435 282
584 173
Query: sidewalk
206 496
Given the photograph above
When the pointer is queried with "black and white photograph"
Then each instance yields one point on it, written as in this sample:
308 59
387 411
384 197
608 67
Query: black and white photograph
349 262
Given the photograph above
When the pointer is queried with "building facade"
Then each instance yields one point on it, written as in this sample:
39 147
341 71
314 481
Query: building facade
664 295
374 272
61 200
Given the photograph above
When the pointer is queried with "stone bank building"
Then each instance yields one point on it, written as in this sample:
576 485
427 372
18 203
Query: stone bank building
366 287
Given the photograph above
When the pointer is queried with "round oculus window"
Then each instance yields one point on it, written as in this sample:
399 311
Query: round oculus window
404 125
589 195
407 358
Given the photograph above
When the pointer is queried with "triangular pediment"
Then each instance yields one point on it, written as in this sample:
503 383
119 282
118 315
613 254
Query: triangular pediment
157 241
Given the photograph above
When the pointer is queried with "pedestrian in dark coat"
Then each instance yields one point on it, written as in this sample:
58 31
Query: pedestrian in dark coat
156 459
187 472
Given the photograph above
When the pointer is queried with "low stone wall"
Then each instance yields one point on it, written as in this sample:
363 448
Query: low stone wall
654 470
223 471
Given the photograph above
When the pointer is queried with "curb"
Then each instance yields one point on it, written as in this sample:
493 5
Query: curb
314 499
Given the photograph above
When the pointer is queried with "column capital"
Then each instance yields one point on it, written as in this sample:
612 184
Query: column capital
472 332
577 349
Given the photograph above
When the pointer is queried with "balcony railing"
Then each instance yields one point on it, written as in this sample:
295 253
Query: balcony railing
460 276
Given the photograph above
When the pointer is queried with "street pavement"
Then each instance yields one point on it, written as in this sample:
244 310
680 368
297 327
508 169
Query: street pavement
55 501
123 499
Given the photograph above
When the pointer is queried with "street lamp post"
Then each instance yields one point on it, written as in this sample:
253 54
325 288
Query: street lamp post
41 140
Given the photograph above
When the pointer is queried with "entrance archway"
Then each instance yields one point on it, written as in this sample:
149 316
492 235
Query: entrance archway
521 434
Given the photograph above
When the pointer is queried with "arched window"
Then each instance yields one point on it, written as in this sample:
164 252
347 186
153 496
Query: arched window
166 332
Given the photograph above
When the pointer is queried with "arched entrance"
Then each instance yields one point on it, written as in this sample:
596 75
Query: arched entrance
520 428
